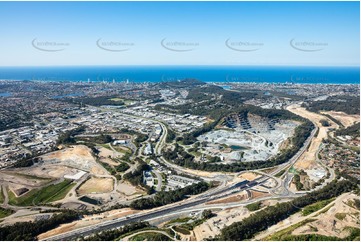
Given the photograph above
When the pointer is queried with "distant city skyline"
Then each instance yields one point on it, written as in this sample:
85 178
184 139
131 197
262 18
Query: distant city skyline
180 33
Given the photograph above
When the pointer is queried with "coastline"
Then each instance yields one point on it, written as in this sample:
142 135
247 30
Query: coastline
210 74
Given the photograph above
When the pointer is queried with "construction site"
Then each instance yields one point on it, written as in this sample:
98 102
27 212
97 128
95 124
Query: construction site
71 177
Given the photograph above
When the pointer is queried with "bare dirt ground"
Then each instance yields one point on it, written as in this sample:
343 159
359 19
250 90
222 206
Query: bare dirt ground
346 119
224 217
250 176
329 225
268 183
203 173
104 152
108 161
23 215
76 151
326 222
96 185
127 189
55 165
51 170
76 205
285 144
106 155
236 198
307 160
257 194
88 220
78 156
121 149
16 178
268 170
293 187
213 226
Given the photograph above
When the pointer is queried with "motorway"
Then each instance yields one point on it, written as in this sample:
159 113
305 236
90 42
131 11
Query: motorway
154 213
287 176
221 191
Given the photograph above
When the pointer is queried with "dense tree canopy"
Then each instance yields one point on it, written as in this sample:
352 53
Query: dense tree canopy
353 130
164 198
29 230
110 235
347 104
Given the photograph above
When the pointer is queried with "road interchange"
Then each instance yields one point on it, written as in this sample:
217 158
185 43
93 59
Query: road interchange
226 188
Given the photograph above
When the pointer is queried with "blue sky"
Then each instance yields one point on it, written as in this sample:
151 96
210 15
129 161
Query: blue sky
193 33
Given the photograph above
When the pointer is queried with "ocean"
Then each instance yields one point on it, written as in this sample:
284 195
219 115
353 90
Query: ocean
269 74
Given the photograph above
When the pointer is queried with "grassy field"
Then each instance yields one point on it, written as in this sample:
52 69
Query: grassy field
117 99
196 153
1 195
181 230
108 167
24 200
316 206
280 173
44 195
340 216
187 227
62 192
122 149
179 220
89 200
106 146
5 212
279 236
150 236
293 170
254 206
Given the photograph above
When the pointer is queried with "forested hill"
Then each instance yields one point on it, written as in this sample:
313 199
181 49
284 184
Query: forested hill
189 82
353 130
347 104
215 102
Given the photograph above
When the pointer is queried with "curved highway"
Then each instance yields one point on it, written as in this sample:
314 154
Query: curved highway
222 191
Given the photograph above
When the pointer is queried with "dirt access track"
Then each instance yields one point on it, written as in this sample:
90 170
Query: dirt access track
307 159
346 119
